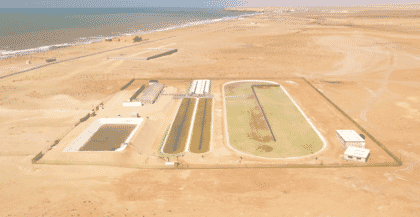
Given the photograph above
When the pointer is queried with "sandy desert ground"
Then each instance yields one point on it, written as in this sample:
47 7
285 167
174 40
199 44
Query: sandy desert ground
365 62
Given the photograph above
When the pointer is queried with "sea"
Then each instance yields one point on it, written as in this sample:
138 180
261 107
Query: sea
27 30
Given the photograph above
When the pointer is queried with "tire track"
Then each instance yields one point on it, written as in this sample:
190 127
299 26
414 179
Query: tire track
79 57
377 94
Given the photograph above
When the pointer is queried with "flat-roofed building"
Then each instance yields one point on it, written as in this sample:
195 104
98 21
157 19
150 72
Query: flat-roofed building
207 87
356 154
151 93
193 87
199 87
350 138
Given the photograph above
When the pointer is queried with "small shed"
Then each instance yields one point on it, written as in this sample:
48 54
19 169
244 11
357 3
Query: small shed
171 164
350 138
356 154
200 87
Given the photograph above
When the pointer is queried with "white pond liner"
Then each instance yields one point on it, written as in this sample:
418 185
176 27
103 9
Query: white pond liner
88 133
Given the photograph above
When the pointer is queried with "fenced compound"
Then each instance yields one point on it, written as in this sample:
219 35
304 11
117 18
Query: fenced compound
251 165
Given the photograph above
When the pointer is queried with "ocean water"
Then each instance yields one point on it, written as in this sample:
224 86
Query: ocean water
25 28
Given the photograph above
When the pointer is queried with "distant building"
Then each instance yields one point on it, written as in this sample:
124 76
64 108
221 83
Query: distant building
350 138
356 154
151 93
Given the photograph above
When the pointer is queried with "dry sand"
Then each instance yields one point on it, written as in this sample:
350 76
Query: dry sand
367 65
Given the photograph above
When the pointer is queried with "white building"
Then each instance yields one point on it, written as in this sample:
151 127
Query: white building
207 87
199 87
151 93
350 138
193 87
132 104
356 154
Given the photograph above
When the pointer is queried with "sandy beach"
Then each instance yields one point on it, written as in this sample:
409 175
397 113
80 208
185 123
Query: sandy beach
367 63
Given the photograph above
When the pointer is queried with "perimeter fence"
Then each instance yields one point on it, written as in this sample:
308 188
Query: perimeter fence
396 159
397 162
256 166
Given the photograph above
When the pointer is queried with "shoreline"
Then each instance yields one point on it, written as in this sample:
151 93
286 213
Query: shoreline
6 54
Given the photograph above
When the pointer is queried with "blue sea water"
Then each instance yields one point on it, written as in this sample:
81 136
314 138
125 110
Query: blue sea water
24 28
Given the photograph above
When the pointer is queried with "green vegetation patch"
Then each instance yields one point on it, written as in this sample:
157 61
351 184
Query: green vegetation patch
249 131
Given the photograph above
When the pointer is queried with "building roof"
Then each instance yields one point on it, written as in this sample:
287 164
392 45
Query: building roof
357 152
350 136
200 87
151 92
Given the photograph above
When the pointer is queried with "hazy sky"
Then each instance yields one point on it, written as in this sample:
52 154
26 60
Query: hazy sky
186 3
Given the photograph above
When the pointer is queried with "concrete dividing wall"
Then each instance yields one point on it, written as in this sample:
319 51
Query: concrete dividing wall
134 96
74 58
164 53
88 133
